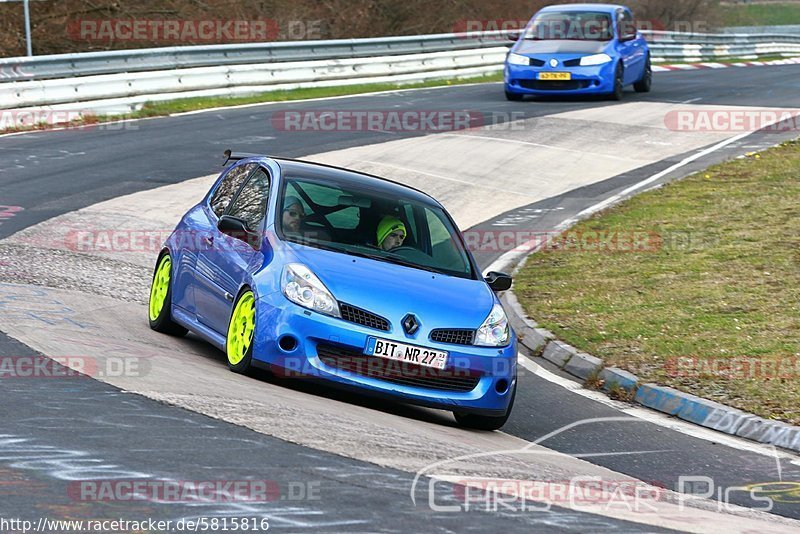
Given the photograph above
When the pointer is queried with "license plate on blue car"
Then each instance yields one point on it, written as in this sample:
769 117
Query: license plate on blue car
392 350
562 76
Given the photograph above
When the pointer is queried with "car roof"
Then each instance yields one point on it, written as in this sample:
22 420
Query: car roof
604 8
356 179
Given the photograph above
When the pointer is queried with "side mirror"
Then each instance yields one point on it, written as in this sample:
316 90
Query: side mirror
498 281
625 37
237 229
513 36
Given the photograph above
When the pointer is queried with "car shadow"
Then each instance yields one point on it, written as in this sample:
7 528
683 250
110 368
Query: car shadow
318 388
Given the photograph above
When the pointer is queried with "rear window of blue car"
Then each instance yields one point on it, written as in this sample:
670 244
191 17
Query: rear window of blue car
571 25
348 219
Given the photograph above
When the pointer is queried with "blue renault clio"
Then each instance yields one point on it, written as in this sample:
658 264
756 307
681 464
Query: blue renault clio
320 272
578 49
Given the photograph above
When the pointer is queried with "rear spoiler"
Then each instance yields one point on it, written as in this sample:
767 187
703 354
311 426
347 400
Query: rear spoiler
236 156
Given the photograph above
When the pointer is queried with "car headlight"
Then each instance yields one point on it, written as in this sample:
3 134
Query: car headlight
302 287
494 331
597 59
517 59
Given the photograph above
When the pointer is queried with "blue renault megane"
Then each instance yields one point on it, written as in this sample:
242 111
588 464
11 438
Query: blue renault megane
315 271
578 49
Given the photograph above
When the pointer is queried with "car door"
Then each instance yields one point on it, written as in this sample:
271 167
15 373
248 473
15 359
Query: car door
630 48
195 236
224 263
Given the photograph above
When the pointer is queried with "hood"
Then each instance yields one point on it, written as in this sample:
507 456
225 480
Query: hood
530 47
392 291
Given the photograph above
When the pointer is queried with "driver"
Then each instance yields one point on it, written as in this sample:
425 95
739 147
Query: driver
391 233
293 214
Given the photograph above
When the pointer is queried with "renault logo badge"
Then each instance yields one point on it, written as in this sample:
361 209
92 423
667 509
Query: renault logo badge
554 62
410 324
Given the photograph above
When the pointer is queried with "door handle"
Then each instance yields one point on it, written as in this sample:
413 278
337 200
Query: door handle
208 240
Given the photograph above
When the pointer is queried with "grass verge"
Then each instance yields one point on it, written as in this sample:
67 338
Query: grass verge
760 14
696 286
158 109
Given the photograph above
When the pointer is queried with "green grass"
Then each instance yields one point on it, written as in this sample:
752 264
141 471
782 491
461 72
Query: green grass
156 109
192 104
718 282
760 14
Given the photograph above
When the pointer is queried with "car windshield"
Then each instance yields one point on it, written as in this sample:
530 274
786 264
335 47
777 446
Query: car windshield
361 221
570 25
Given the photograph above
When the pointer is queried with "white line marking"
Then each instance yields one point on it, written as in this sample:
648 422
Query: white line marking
649 415
652 416
528 248
324 98
242 106
538 145
442 177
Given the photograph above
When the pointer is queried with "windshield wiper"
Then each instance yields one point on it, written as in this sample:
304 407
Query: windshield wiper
396 260
379 257
407 263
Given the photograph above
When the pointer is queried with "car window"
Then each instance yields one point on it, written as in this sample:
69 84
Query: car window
570 25
626 24
445 248
362 221
228 187
250 204
413 231
347 218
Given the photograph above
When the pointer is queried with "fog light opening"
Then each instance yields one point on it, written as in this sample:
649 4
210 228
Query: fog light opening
287 343
501 386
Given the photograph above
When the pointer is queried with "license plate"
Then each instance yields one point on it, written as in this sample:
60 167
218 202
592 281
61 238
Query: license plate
401 352
555 76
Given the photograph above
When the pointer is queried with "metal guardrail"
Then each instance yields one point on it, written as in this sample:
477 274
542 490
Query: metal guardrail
783 29
119 81
657 37
181 57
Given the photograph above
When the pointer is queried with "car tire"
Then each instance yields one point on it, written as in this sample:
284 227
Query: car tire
513 97
241 330
160 303
644 85
485 422
619 76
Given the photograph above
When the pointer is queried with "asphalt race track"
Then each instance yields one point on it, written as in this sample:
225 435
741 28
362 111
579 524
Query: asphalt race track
52 174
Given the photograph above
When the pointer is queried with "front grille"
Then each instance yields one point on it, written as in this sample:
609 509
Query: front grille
537 62
573 62
407 374
363 317
555 85
456 336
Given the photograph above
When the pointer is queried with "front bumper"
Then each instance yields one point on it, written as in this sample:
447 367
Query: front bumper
522 79
478 380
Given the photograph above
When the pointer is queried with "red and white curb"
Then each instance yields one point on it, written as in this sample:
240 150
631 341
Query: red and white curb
701 66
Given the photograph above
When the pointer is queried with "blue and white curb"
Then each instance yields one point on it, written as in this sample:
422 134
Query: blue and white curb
667 400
